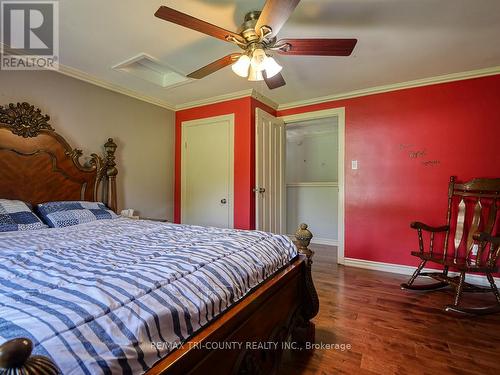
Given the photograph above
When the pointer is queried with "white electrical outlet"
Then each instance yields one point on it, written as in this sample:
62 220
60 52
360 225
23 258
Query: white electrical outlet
354 164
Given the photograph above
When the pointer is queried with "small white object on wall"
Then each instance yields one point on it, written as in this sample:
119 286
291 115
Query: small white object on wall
354 164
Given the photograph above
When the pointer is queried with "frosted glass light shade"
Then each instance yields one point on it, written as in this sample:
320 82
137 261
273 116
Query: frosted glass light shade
258 59
255 74
271 67
240 67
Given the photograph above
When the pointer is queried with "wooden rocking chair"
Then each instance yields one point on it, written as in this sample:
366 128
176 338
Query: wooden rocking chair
474 205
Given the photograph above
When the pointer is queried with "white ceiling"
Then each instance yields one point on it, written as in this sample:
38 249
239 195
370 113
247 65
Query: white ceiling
399 40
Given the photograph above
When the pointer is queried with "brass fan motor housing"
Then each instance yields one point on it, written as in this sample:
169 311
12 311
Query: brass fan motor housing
252 38
247 28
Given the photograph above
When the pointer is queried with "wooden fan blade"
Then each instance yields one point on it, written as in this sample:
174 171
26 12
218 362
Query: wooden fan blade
215 66
319 47
275 14
275 81
193 23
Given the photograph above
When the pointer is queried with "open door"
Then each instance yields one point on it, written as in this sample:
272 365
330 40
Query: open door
269 189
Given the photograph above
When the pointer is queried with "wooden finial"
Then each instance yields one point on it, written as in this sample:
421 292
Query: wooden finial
303 238
110 148
16 359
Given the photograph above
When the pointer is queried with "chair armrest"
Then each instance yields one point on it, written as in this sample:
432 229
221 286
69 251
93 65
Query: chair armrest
428 228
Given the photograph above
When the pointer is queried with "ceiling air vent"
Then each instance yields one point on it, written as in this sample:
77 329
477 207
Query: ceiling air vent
152 70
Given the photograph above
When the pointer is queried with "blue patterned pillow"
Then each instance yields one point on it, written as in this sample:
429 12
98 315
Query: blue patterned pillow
16 215
64 214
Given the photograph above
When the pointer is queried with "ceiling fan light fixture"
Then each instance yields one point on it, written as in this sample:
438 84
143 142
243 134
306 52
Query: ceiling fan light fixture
258 59
240 67
258 33
255 74
271 67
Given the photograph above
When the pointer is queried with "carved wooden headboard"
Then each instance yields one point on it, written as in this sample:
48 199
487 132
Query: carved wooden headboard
38 165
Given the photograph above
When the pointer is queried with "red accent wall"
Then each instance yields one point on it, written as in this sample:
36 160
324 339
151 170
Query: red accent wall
244 160
408 143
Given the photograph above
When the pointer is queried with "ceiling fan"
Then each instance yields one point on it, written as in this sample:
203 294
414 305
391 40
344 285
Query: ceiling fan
257 38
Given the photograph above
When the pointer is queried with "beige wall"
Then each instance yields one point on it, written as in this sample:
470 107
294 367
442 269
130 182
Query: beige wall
86 115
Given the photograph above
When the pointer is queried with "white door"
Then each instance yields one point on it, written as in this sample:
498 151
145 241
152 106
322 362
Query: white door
207 172
270 173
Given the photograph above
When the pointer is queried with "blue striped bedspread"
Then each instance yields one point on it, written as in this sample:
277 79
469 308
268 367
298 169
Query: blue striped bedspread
98 298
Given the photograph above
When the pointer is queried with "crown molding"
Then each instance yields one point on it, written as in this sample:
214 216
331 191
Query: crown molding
396 86
78 74
225 97
82 76
260 97
75 73
214 99
264 99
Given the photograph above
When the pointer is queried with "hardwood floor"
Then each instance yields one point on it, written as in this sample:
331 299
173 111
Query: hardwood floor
391 331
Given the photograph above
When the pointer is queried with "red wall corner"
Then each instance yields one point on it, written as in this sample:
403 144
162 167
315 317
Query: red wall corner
244 154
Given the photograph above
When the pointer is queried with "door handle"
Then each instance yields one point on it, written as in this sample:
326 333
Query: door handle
259 190
223 201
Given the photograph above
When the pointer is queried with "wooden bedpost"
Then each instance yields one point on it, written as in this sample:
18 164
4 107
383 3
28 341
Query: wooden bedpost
111 172
304 332
303 238
16 359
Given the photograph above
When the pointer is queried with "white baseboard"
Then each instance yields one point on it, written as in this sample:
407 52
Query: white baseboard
320 241
407 270
324 241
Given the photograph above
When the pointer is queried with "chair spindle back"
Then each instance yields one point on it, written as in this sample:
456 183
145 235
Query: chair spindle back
476 206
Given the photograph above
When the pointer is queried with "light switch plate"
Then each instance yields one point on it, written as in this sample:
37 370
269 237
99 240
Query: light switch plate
354 164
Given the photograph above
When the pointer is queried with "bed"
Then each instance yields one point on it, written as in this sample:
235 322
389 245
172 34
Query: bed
136 296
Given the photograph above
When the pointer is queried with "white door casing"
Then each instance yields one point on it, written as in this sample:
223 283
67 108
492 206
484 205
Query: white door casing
207 170
269 189
340 114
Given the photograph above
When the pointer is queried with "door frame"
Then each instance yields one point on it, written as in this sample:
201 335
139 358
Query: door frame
207 121
340 114
260 113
